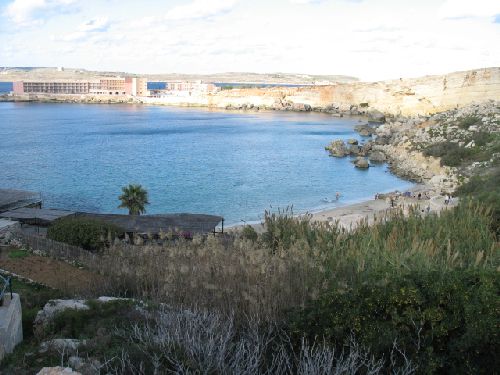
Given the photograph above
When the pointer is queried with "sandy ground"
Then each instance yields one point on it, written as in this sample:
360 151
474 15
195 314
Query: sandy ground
54 273
349 216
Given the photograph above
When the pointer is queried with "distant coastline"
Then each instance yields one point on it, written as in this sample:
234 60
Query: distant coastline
407 97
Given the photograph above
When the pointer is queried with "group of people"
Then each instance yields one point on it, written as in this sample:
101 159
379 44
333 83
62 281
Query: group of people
337 197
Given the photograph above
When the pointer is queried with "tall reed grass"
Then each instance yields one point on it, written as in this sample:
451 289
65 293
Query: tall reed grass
294 260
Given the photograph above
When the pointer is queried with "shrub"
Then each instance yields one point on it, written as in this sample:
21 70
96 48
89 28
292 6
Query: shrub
482 138
249 233
445 322
90 234
451 154
283 229
467 121
484 189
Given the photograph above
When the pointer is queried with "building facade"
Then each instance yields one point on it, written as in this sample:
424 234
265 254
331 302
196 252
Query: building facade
136 86
197 86
107 86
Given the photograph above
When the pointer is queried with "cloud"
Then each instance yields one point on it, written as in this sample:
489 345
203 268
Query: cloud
383 29
198 9
99 24
25 12
306 1
93 29
456 9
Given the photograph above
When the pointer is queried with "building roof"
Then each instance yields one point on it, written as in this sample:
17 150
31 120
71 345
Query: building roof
35 215
194 223
4 224
11 199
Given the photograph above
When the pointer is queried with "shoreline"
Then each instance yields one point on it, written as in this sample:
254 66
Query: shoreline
350 215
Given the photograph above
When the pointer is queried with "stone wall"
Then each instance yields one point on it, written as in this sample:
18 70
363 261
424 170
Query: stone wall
11 327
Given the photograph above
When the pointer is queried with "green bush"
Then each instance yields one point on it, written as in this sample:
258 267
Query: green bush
466 122
283 229
482 138
484 189
90 234
249 233
451 154
445 322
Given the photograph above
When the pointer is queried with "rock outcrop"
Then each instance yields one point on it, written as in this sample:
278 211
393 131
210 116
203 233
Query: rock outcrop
337 149
361 163
403 142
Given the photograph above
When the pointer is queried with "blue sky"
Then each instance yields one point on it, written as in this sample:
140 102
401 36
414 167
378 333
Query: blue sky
370 39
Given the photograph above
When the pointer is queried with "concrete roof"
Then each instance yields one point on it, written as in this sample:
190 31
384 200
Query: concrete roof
40 215
4 224
194 223
10 198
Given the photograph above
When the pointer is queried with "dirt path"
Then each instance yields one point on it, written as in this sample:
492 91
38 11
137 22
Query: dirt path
54 273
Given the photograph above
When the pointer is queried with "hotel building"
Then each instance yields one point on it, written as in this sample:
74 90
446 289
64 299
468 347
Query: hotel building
109 86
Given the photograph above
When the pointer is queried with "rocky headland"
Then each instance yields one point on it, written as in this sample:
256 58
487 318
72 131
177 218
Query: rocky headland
441 150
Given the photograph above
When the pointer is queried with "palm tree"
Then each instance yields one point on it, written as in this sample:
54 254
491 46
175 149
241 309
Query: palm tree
134 197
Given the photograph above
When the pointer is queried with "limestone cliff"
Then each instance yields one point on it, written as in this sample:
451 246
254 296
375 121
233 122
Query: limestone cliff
415 96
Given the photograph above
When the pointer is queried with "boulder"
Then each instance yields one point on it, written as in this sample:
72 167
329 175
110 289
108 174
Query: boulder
366 148
376 116
354 150
383 140
301 107
337 148
352 141
364 130
55 306
69 346
57 371
361 162
377 157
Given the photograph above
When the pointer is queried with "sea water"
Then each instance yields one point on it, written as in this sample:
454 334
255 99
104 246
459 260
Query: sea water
233 164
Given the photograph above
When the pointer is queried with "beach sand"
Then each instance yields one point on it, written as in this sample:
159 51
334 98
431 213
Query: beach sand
349 216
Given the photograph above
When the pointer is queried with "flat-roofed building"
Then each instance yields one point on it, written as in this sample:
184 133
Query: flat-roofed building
105 86
136 86
190 86
51 87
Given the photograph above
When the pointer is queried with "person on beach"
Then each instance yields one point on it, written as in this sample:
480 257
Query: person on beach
337 195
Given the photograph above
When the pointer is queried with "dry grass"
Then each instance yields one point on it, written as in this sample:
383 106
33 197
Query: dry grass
241 276
295 260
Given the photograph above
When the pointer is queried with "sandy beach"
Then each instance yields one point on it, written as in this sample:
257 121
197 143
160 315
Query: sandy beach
350 215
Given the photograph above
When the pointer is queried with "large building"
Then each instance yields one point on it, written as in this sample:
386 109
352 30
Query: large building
137 86
108 86
185 88
196 86
52 87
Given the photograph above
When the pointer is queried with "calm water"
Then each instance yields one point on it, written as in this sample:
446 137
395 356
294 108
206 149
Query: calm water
5 87
231 164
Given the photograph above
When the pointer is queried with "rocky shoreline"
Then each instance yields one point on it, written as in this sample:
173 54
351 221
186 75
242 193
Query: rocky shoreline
404 143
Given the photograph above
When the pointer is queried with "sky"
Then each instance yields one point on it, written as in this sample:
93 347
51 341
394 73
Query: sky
368 39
